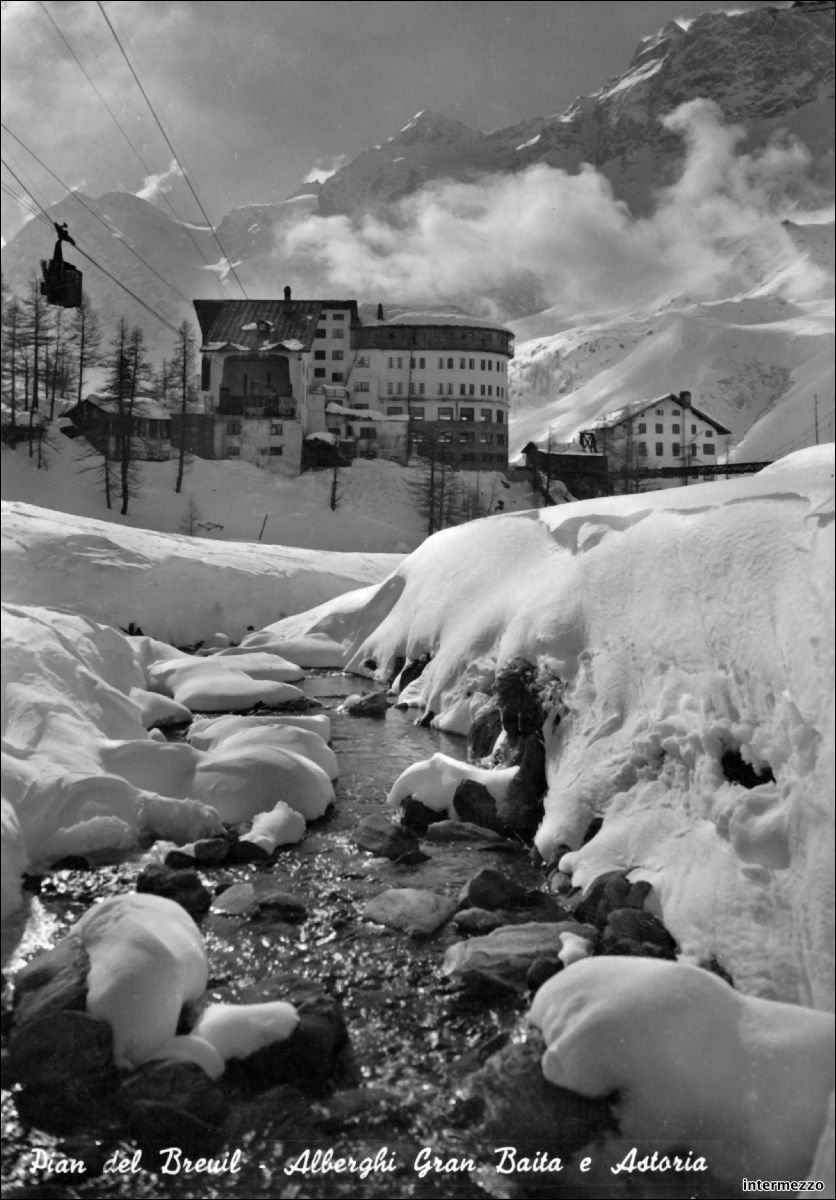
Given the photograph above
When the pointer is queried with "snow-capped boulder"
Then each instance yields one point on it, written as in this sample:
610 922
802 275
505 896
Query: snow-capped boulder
742 1081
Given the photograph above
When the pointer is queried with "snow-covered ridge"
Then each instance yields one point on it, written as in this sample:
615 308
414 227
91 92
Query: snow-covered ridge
679 627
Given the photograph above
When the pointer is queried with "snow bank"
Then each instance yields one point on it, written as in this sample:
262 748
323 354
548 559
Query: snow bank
745 1082
180 589
238 1030
146 961
81 774
688 632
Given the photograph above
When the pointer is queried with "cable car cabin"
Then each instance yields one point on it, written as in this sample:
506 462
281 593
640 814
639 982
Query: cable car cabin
62 281
61 284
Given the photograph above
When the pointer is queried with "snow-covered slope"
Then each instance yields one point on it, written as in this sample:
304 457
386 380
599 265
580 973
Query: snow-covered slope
677 631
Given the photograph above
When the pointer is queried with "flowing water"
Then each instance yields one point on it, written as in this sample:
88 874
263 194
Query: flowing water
413 1036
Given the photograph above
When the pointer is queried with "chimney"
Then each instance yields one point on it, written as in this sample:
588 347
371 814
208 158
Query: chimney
685 399
380 312
287 293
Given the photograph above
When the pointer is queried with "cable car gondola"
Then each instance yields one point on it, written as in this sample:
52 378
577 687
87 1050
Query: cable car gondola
62 281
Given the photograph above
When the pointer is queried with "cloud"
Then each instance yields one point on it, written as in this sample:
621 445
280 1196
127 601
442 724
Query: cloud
154 186
324 168
566 235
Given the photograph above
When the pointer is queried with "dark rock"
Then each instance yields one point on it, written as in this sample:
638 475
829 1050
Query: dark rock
560 882
417 817
281 906
398 664
377 834
521 808
211 850
522 1109
638 926
630 948
592 829
716 968
180 859
483 733
543 906
245 852
75 1105
462 831
506 954
473 802
427 719
737 770
412 671
411 910
71 862
477 920
316 1057
173 1104
608 892
52 982
490 889
375 704
540 970
184 887
50 1051
518 698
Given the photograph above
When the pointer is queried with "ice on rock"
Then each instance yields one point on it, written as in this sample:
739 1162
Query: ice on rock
435 780
147 960
743 1081
282 826
238 1030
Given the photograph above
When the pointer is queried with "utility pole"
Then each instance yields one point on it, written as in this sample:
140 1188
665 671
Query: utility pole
816 415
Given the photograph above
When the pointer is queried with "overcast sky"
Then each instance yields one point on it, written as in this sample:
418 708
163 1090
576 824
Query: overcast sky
255 96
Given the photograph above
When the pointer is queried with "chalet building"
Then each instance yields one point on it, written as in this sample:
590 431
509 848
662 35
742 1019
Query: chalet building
656 443
98 419
283 380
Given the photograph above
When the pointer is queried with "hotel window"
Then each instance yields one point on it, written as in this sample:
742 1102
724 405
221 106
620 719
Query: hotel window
337 316
642 449
441 389
462 364
445 414
642 427
338 333
675 427
399 389
500 439
321 333
336 376
390 363
276 429
466 439
481 389
676 450
362 385
276 451
674 412
368 434
660 412
441 364
394 411
233 427
708 448
471 363
422 362
471 389
320 354
399 363
660 428
417 414
337 354
660 450
319 372
500 418
421 389
449 364
462 389
482 364
390 389
362 361
490 364
467 414
486 439
487 414
490 389
709 433
693 429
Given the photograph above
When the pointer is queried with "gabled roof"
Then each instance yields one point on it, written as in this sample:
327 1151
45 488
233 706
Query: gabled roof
236 322
619 416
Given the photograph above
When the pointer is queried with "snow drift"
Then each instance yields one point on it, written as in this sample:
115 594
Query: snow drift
686 632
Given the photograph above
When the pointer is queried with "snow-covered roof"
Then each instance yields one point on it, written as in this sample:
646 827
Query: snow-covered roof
143 406
241 322
618 416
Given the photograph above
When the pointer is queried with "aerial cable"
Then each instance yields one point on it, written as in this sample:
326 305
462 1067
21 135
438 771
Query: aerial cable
148 170
174 153
43 215
28 192
77 196
23 202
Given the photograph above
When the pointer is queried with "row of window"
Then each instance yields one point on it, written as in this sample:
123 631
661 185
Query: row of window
660 428
334 333
464 439
267 451
320 373
234 428
395 363
319 355
676 449
465 414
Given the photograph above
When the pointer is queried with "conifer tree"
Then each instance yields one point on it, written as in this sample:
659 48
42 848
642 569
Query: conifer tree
86 340
182 369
